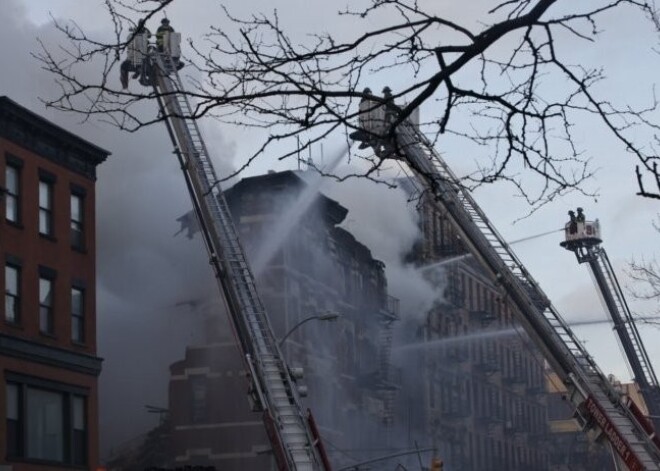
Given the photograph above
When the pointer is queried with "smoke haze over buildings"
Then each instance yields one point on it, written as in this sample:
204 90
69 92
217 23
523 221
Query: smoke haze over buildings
145 275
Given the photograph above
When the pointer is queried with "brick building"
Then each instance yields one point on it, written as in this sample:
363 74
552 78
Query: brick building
318 268
483 402
48 362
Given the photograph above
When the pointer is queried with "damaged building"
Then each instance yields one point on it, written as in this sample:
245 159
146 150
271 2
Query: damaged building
306 267
475 391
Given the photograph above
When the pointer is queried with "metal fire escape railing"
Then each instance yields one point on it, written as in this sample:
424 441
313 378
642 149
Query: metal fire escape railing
293 435
597 404
388 316
626 329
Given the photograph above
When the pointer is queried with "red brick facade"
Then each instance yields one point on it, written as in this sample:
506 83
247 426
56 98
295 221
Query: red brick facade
48 369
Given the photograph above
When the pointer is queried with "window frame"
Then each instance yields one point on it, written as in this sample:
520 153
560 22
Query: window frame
80 316
73 447
15 165
17 296
77 226
47 180
49 275
198 398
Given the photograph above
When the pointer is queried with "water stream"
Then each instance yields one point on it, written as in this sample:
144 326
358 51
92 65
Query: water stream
288 221
458 339
447 261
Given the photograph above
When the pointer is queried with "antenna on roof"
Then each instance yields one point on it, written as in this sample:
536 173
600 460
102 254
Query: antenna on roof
310 161
298 150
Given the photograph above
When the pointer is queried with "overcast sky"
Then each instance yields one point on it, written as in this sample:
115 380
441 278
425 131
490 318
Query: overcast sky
144 272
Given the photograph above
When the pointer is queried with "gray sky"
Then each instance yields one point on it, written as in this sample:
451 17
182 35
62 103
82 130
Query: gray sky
143 271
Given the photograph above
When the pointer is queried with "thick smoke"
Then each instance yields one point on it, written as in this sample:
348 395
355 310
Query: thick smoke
349 348
386 221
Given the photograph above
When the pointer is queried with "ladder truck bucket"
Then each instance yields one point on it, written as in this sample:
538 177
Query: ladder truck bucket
581 236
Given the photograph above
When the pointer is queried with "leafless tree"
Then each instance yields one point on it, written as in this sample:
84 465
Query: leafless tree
504 88
646 276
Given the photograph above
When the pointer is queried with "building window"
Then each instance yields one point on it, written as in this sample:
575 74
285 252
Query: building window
12 193
13 423
12 294
77 233
46 305
79 431
45 208
77 315
46 424
198 399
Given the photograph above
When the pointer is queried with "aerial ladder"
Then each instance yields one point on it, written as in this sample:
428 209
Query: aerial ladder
292 432
598 407
584 238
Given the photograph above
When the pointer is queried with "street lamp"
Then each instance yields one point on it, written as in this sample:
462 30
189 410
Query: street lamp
326 316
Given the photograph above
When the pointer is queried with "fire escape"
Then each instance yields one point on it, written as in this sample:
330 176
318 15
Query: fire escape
387 384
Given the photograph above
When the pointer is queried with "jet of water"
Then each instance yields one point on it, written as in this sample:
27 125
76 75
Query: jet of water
447 261
458 339
288 221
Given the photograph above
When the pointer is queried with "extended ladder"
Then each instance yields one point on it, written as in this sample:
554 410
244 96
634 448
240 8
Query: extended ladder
625 327
597 404
293 435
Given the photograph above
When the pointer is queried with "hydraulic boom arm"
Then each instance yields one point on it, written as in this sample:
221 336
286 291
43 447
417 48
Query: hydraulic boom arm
597 405
583 238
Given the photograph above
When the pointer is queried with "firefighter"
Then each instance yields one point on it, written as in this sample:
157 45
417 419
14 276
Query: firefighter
387 93
572 228
136 54
437 464
163 29
580 215
160 33
126 67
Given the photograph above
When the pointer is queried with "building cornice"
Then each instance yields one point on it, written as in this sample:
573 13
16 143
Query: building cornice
36 134
47 355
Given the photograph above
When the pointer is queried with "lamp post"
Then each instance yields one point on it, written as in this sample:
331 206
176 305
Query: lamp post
326 316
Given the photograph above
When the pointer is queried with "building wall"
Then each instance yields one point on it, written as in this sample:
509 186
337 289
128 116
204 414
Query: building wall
210 412
318 268
484 405
52 376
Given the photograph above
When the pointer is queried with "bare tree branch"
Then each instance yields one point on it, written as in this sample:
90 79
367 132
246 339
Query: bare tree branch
506 88
646 276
